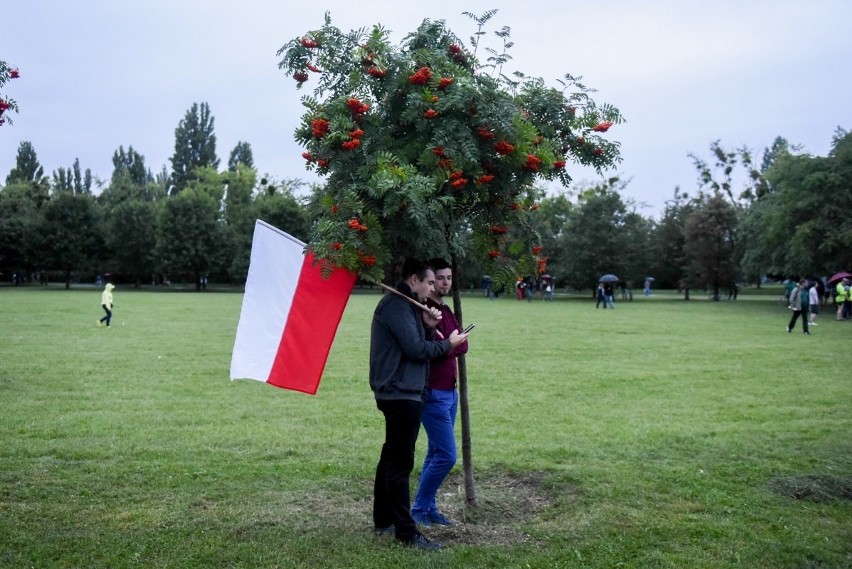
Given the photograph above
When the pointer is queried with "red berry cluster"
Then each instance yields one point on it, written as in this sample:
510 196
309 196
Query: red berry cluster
484 179
421 77
357 107
559 164
503 148
602 127
484 133
533 161
368 260
355 224
499 229
308 42
430 113
445 82
494 254
319 127
536 250
300 76
376 72
350 144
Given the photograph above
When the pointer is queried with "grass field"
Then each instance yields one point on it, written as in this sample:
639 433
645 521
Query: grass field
661 434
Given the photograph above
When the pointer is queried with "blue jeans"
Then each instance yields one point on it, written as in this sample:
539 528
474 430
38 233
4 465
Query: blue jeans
439 419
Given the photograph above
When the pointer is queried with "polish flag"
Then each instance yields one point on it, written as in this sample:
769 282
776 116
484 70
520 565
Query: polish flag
290 313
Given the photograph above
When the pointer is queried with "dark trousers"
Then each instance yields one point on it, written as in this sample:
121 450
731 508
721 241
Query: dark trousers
796 314
108 316
391 494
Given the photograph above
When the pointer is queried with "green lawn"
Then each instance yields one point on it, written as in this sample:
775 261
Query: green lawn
661 434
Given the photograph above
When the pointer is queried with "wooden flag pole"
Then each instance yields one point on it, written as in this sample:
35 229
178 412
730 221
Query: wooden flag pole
406 297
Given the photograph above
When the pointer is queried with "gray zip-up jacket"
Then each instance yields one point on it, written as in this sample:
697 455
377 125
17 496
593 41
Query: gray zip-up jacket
400 348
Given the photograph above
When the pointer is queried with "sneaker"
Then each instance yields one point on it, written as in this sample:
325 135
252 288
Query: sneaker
379 532
422 519
788 330
420 541
437 517
808 333
812 324
100 323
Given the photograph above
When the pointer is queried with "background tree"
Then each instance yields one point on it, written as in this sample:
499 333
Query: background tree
276 204
69 234
597 239
421 143
189 235
552 222
131 238
72 179
241 154
668 242
195 146
711 243
19 224
7 104
239 217
803 226
130 164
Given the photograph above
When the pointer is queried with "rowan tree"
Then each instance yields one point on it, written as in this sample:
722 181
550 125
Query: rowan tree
7 103
421 142
425 149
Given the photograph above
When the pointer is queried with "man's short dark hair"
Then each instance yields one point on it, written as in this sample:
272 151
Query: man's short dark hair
439 263
413 266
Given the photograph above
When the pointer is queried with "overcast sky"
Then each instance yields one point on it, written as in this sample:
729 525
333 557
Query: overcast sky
99 74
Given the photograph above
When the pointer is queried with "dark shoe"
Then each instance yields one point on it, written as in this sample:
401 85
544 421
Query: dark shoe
437 517
421 542
788 330
379 532
808 333
422 519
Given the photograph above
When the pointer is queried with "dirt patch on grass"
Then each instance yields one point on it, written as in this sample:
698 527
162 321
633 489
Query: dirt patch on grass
821 488
506 502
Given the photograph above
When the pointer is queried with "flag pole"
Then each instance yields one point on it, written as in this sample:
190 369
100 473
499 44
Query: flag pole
396 292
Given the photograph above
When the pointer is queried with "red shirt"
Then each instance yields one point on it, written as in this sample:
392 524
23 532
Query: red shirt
442 370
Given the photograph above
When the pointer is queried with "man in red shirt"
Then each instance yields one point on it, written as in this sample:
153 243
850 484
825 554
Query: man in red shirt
441 405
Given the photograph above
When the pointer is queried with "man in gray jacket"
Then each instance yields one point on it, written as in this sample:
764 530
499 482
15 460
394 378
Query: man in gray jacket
402 341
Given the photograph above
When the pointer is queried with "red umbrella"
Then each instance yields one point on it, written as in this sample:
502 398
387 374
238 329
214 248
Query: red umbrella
838 276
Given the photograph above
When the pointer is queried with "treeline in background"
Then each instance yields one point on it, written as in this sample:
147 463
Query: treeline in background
783 215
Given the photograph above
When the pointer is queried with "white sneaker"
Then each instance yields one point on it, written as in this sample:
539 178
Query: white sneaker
812 324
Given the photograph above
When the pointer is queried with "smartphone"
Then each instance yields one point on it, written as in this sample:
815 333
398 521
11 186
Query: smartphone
468 329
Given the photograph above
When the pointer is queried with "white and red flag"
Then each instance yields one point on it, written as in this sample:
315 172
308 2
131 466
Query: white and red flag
290 313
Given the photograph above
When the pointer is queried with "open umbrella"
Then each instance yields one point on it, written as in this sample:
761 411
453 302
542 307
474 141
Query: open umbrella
650 279
838 276
608 279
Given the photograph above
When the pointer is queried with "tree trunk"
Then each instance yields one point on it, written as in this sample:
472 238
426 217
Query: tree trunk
686 294
467 458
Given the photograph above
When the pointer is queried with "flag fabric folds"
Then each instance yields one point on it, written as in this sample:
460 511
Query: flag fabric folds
289 315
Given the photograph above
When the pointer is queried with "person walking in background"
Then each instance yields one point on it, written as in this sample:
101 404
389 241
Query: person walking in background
106 303
440 407
608 295
647 287
600 296
841 293
799 302
847 302
402 341
813 299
